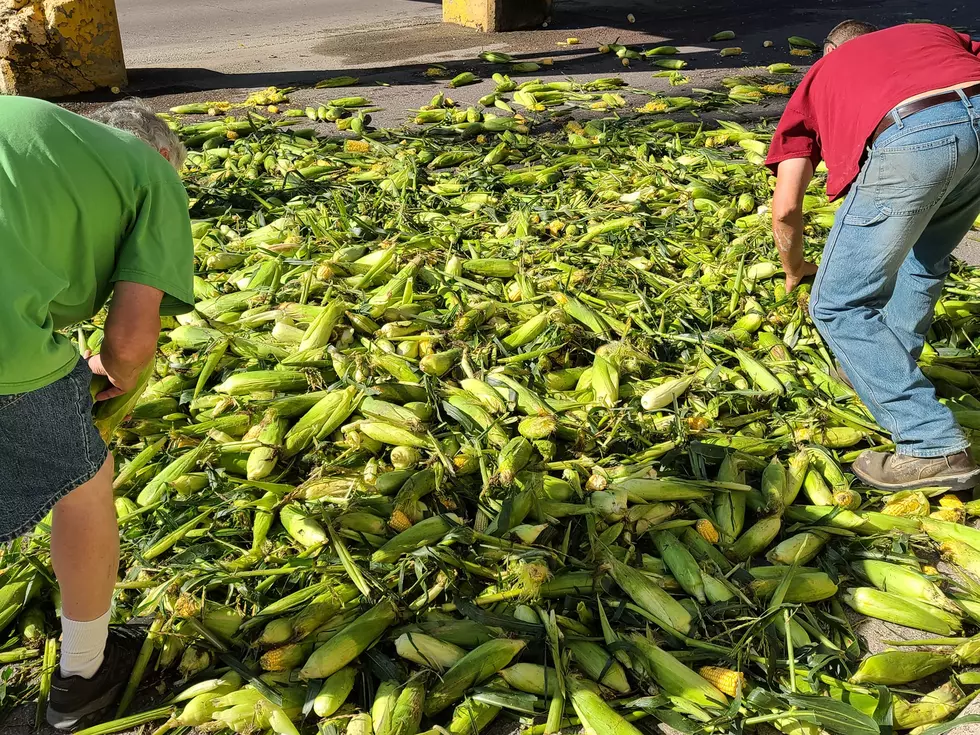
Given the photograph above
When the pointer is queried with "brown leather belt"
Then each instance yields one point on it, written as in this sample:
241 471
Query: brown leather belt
923 104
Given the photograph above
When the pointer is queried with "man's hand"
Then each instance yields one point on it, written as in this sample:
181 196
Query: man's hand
118 385
805 270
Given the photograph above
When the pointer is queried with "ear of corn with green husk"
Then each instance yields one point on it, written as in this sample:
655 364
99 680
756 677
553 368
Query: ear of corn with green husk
427 651
755 539
900 667
647 594
531 678
681 564
350 642
805 586
322 419
798 549
599 666
897 609
674 677
334 692
904 582
407 714
424 533
476 666
594 713
383 706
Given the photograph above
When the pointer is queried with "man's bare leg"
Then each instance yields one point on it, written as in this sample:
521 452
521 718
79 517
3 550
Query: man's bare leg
85 555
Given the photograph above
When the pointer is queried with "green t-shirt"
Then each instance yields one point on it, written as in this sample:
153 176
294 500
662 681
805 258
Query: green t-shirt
82 205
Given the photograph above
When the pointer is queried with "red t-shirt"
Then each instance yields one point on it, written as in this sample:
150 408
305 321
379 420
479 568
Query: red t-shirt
845 94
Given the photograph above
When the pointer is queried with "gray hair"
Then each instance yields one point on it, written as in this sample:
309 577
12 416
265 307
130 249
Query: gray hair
136 117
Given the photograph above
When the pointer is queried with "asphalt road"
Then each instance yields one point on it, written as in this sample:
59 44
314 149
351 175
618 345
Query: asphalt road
237 35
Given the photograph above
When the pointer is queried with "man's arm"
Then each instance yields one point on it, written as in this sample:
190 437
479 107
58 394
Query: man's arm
792 177
132 329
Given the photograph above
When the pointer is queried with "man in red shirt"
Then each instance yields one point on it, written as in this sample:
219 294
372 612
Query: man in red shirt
895 115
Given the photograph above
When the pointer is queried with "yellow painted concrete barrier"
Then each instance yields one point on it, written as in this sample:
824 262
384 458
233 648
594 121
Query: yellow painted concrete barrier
54 48
493 16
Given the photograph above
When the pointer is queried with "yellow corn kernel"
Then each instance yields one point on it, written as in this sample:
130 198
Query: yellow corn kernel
725 680
776 88
698 423
950 501
654 106
950 515
929 570
706 529
399 521
906 505
801 52
357 146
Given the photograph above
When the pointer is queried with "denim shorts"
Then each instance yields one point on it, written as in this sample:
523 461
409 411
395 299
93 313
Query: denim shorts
48 447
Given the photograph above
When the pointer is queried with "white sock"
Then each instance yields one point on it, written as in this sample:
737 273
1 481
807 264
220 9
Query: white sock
83 646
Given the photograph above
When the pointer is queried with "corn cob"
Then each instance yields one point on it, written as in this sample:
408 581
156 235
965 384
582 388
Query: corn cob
424 533
962 555
475 667
304 529
907 504
360 724
599 666
648 595
755 540
471 717
407 714
513 457
896 609
334 692
322 419
425 650
904 582
798 549
285 658
383 706
774 487
805 586
674 677
706 529
241 384
900 667
531 678
726 681
796 473
943 531
595 715
350 642
681 564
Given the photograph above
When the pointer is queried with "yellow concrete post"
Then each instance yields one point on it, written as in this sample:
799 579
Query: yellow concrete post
492 16
54 48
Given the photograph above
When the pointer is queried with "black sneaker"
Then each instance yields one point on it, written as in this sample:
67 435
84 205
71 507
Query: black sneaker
74 698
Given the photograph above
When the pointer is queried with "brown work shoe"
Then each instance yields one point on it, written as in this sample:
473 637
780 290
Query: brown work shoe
901 472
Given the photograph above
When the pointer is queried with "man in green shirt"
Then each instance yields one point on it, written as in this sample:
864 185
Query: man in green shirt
89 208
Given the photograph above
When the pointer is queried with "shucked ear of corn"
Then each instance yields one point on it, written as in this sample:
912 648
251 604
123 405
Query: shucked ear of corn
492 398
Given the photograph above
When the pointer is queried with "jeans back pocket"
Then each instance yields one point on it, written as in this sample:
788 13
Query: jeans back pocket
912 179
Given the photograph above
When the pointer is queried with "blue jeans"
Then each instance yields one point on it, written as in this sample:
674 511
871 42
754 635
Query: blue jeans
885 261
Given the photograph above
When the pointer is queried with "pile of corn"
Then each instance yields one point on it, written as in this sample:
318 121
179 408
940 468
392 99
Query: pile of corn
517 426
